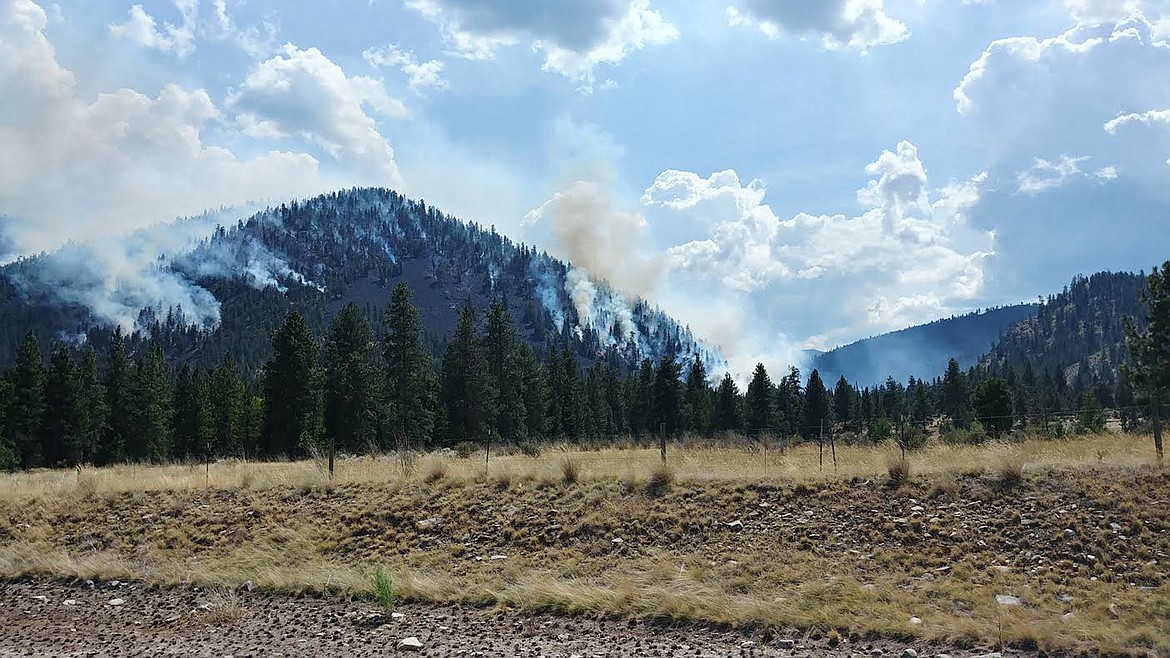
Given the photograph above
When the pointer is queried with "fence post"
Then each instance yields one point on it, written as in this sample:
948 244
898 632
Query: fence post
207 464
902 435
1154 398
833 445
332 453
662 440
821 445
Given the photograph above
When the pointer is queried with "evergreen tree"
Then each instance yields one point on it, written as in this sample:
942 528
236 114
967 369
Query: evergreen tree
536 397
698 397
955 402
993 405
790 403
119 399
151 410
725 417
410 373
351 403
1090 415
500 350
921 408
641 392
27 410
817 407
758 405
227 407
1150 349
466 387
64 421
9 455
192 422
667 398
291 398
93 404
843 402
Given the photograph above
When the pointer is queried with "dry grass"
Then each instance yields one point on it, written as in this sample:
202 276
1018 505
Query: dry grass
816 549
221 606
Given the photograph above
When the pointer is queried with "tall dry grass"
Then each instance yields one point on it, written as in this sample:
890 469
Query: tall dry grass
687 461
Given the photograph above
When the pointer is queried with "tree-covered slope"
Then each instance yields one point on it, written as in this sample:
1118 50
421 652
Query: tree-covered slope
222 283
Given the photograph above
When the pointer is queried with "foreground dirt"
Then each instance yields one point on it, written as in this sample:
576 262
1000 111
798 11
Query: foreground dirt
1058 561
43 619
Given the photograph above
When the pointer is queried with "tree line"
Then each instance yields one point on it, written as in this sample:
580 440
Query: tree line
352 392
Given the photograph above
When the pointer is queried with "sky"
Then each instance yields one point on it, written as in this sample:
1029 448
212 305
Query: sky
779 175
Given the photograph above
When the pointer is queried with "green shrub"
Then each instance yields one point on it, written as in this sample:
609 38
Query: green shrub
529 449
384 590
465 449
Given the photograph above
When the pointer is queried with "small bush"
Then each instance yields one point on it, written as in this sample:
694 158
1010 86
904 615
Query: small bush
465 449
899 471
1010 472
384 590
570 470
436 469
503 479
661 479
529 449
880 430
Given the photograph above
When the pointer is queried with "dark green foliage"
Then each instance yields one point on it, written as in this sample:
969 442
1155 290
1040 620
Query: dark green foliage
817 406
27 409
536 396
119 400
955 399
9 456
63 427
228 405
698 397
790 403
94 409
759 408
351 401
504 366
666 408
1150 348
466 388
151 410
291 398
1090 415
993 405
410 374
726 416
192 420
844 403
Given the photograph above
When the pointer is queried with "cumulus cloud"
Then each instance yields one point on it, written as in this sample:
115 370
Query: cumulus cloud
127 159
1150 117
858 24
574 37
908 257
1029 95
420 75
1048 175
304 93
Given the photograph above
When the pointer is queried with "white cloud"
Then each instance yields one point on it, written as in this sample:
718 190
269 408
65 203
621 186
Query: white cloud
908 257
574 37
1150 117
1111 11
420 75
142 29
180 39
303 93
1048 175
858 24
128 159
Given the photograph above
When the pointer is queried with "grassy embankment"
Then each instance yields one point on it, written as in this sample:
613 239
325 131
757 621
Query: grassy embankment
1077 531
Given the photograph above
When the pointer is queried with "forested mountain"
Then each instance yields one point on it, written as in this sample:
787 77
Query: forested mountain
226 289
921 351
1077 335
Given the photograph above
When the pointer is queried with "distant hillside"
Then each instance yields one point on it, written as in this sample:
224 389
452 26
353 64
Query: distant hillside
1077 336
221 283
922 351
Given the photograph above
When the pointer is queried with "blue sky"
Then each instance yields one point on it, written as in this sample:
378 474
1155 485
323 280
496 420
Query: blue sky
776 174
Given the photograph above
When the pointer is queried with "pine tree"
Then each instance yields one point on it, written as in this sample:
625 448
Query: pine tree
790 403
151 411
410 374
64 421
93 404
9 455
843 402
993 405
188 430
290 386
27 410
955 402
500 350
758 401
466 387
641 387
818 407
351 405
725 417
536 397
667 398
1150 349
698 397
119 399
1090 415
226 408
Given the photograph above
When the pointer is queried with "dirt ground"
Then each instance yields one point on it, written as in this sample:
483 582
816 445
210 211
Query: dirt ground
127 619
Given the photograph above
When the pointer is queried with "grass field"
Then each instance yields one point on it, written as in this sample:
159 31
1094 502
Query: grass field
1057 545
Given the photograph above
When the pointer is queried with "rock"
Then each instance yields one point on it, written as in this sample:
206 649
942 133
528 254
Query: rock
40 597
994 654
1007 599
397 615
432 523
876 652
909 653
88 585
498 557
1067 617
736 525
410 644
786 644
915 621
1113 613
747 644
70 602
617 540
943 655
564 637
1069 533
116 602
246 586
